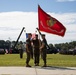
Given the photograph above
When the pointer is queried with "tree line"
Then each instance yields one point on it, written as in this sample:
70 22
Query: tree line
65 47
8 45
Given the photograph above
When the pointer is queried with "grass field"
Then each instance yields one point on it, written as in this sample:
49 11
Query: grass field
52 60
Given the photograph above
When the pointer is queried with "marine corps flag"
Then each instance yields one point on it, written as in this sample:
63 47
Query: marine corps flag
49 24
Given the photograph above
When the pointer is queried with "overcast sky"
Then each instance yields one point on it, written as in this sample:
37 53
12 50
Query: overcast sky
16 14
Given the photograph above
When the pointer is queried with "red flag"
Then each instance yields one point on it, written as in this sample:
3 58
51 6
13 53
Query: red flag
49 24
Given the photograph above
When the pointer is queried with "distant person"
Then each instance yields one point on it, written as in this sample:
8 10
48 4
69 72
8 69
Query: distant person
21 49
36 46
6 51
28 49
43 49
74 51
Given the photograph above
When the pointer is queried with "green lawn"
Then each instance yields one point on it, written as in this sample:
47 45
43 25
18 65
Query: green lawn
52 60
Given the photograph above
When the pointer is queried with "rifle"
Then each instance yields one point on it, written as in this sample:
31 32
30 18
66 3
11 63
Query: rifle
48 47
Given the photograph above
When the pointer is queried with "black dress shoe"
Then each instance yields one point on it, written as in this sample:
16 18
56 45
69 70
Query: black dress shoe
28 66
44 66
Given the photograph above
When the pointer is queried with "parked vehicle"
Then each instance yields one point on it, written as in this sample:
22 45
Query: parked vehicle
2 51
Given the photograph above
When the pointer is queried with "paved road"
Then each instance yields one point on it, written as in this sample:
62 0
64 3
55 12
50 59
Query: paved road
38 71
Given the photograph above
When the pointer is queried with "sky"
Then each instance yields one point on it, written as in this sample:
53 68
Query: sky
16 14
